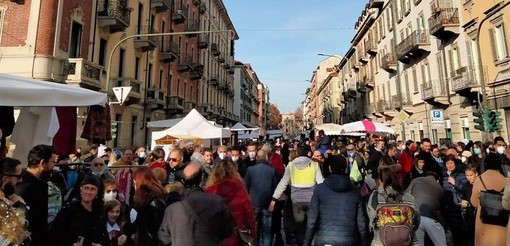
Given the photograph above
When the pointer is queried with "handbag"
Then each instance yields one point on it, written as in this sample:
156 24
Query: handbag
355 174
245 237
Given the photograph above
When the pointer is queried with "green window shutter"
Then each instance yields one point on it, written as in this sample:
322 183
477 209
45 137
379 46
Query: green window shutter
493 44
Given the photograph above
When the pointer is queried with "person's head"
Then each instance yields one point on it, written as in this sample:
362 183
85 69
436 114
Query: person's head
419 163
159 154
97 166
197 148
426 145
392 150
500 145
460 147
140 152
128 155
89 188
160 175
224 170
146 186
40 158
389 178
262 155
192 175
489 146
321 133
93 149
176 157
222 152
493 162
478 148
10 175
337 164
208 156
351 150
303 150
450 162
436 151
379 144
471 173
410 145
317 156
452 151
112 211
176 187
400 145
111 190
252 150
235 153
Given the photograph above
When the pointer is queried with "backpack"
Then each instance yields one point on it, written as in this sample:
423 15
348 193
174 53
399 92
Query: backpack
492 211
394 219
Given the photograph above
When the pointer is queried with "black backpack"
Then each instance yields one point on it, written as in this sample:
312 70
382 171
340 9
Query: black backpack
492 211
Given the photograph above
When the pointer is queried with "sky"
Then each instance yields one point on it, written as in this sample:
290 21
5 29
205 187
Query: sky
281 40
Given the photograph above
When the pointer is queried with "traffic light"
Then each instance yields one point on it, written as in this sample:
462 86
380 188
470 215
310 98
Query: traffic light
114 129
479 120
494 121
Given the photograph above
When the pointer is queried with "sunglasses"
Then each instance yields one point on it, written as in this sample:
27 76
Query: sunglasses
12 175
98 164
108 191
173 159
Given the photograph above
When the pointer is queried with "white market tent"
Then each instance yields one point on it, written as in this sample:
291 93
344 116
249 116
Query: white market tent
245 133
19 92
240 127
167 123
193 126
330 128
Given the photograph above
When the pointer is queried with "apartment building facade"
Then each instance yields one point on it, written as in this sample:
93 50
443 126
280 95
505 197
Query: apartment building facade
408 64
71 42
246 100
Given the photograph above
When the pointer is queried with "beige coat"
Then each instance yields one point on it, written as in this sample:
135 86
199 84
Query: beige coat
506 203
488 234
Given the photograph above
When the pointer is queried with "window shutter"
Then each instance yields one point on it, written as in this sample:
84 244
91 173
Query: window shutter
450 56
503 32
493 44
470 61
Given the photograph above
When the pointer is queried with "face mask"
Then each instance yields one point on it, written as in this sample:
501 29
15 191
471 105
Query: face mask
8 189
110 196
351 154
221 156
476 151
501 149
463 159
277 152
142 155
235 158
251 154
96 173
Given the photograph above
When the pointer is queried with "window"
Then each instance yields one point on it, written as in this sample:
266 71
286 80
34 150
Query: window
137 68
75 46
454 58
102 51
160 78
434 136
498 42
134 120
415 80
122 54
440 66
149 76
449 133
420 132
465 133
413 136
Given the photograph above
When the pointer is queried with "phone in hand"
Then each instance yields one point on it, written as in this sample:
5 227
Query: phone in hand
79 242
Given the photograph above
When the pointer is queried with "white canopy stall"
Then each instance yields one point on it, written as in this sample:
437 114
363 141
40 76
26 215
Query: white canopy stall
330 128
37 100
244 132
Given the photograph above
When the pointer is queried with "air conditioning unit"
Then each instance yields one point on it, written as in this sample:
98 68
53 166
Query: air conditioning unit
464 122
448 124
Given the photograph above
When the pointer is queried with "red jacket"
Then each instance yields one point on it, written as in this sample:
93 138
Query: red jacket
236 197
277 162
406 161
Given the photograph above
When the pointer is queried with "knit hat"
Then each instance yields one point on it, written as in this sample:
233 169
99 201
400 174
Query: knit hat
91 180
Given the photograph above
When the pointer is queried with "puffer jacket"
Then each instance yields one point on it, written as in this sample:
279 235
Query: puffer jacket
334 226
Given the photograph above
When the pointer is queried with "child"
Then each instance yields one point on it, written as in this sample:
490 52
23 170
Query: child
468 211
115 234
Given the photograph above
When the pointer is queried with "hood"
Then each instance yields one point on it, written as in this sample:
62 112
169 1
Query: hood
339 183
301 162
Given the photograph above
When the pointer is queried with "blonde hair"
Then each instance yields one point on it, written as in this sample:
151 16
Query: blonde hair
223 170
175 187
160 174
13 223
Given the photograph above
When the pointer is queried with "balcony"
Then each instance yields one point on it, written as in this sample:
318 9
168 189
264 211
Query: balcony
113 14
203 41
180 14
388 63
404 105
444 23
231 70
221 59
161 5
155 98
434 92
193 26
197 72
175 104
145 43
376 3
84 74
363 59
371 47
414 46
215 49
202 9
188 106
135 94
465 80
213 80
170 51
185 63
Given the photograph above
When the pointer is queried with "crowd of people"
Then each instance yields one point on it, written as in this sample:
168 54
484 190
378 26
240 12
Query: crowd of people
367 191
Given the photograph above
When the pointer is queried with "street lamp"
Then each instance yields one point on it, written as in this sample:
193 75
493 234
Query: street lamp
320 54
150 35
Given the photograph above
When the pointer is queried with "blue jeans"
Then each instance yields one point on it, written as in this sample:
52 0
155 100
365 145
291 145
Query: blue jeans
263 226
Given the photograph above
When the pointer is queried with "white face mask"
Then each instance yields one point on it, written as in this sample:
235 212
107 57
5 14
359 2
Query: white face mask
252 154
110 196
142 155
235 158
221 156
501 149
277 152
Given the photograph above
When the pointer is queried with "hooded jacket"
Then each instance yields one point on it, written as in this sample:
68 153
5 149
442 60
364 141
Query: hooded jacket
334 226
298 194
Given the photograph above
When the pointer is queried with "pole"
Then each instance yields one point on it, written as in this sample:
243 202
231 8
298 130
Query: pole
110 58
395 57
484 104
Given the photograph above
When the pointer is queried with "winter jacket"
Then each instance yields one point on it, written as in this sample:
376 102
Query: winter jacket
298 194
148 220
406 160
276 161
334 226
430 163
373 162
427 196
243 165
260 181
179 227
452 197
238 201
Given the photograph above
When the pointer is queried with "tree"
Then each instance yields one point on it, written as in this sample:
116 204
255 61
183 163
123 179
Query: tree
298 114
274 117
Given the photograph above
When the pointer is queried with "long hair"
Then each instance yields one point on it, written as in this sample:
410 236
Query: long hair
388 174
225 169
109 206
146 186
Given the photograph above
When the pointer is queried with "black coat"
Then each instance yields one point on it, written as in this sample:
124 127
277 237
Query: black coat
337 214
261 181
430 163
148 220
35 193
373 162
